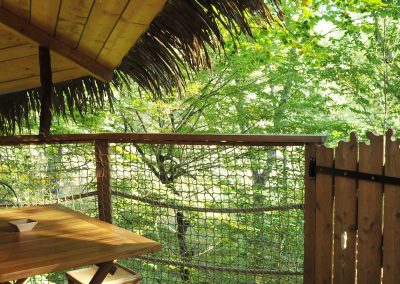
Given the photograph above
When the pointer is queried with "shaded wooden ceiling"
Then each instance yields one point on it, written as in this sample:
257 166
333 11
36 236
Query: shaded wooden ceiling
87 37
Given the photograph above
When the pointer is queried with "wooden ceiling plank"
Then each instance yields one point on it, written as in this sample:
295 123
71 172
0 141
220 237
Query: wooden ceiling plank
71 20
60 62
132 24
19 68
18 51
101 21
143 12
21 8
34 81
28 66
9 39
44 14
31 32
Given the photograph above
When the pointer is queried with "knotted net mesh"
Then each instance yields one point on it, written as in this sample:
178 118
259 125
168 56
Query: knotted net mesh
223 214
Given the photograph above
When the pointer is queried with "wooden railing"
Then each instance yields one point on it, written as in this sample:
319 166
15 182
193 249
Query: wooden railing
186 139
102 142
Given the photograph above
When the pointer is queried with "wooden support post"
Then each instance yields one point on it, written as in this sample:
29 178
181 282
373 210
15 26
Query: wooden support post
103 181
46 81
309 217
101 273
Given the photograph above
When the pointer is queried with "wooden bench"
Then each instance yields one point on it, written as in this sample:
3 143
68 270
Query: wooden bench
122 275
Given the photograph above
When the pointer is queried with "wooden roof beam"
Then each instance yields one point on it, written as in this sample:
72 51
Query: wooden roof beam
33 33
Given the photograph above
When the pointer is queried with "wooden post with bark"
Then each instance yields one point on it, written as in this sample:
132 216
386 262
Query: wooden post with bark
103 178
46 80
309 216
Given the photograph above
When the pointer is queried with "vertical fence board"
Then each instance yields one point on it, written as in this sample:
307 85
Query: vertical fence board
345 214
103 181
391 229
309 218
369 252
324 218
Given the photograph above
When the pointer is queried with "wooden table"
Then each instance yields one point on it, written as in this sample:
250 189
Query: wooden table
63 239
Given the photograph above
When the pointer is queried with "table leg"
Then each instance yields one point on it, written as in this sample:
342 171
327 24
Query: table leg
101 273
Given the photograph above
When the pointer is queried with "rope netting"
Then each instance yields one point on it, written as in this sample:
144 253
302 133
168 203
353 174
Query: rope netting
50 174
223 214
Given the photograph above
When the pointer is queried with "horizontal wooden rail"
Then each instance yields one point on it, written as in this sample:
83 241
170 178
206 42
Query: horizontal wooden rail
183 139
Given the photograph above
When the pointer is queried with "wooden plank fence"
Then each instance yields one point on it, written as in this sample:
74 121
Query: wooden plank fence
391 233
324 223
357 212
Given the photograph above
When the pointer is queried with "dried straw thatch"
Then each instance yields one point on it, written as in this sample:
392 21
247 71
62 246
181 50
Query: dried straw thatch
178 41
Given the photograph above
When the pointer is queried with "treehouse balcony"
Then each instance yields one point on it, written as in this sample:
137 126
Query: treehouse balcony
226 208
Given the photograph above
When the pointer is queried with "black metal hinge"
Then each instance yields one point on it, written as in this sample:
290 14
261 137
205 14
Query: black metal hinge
314 170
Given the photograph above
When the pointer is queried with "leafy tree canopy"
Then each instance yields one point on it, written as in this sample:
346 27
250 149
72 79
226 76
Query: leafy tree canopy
331 67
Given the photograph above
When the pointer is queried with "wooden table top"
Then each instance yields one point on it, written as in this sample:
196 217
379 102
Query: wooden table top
62 239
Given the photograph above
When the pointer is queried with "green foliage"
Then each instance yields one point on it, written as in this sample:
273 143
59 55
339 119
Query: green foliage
332 67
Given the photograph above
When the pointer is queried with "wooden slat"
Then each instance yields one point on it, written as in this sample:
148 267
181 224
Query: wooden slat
345 219
20 8
35 34
391 228
324 218
103 177
133 23
309 217
71 20
9 39
45 14
369 253
102 19
18 51
28 66
34 81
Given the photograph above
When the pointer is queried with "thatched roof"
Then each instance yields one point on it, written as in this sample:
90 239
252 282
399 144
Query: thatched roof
177 41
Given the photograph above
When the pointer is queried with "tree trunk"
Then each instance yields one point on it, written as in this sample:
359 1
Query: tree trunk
183 225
